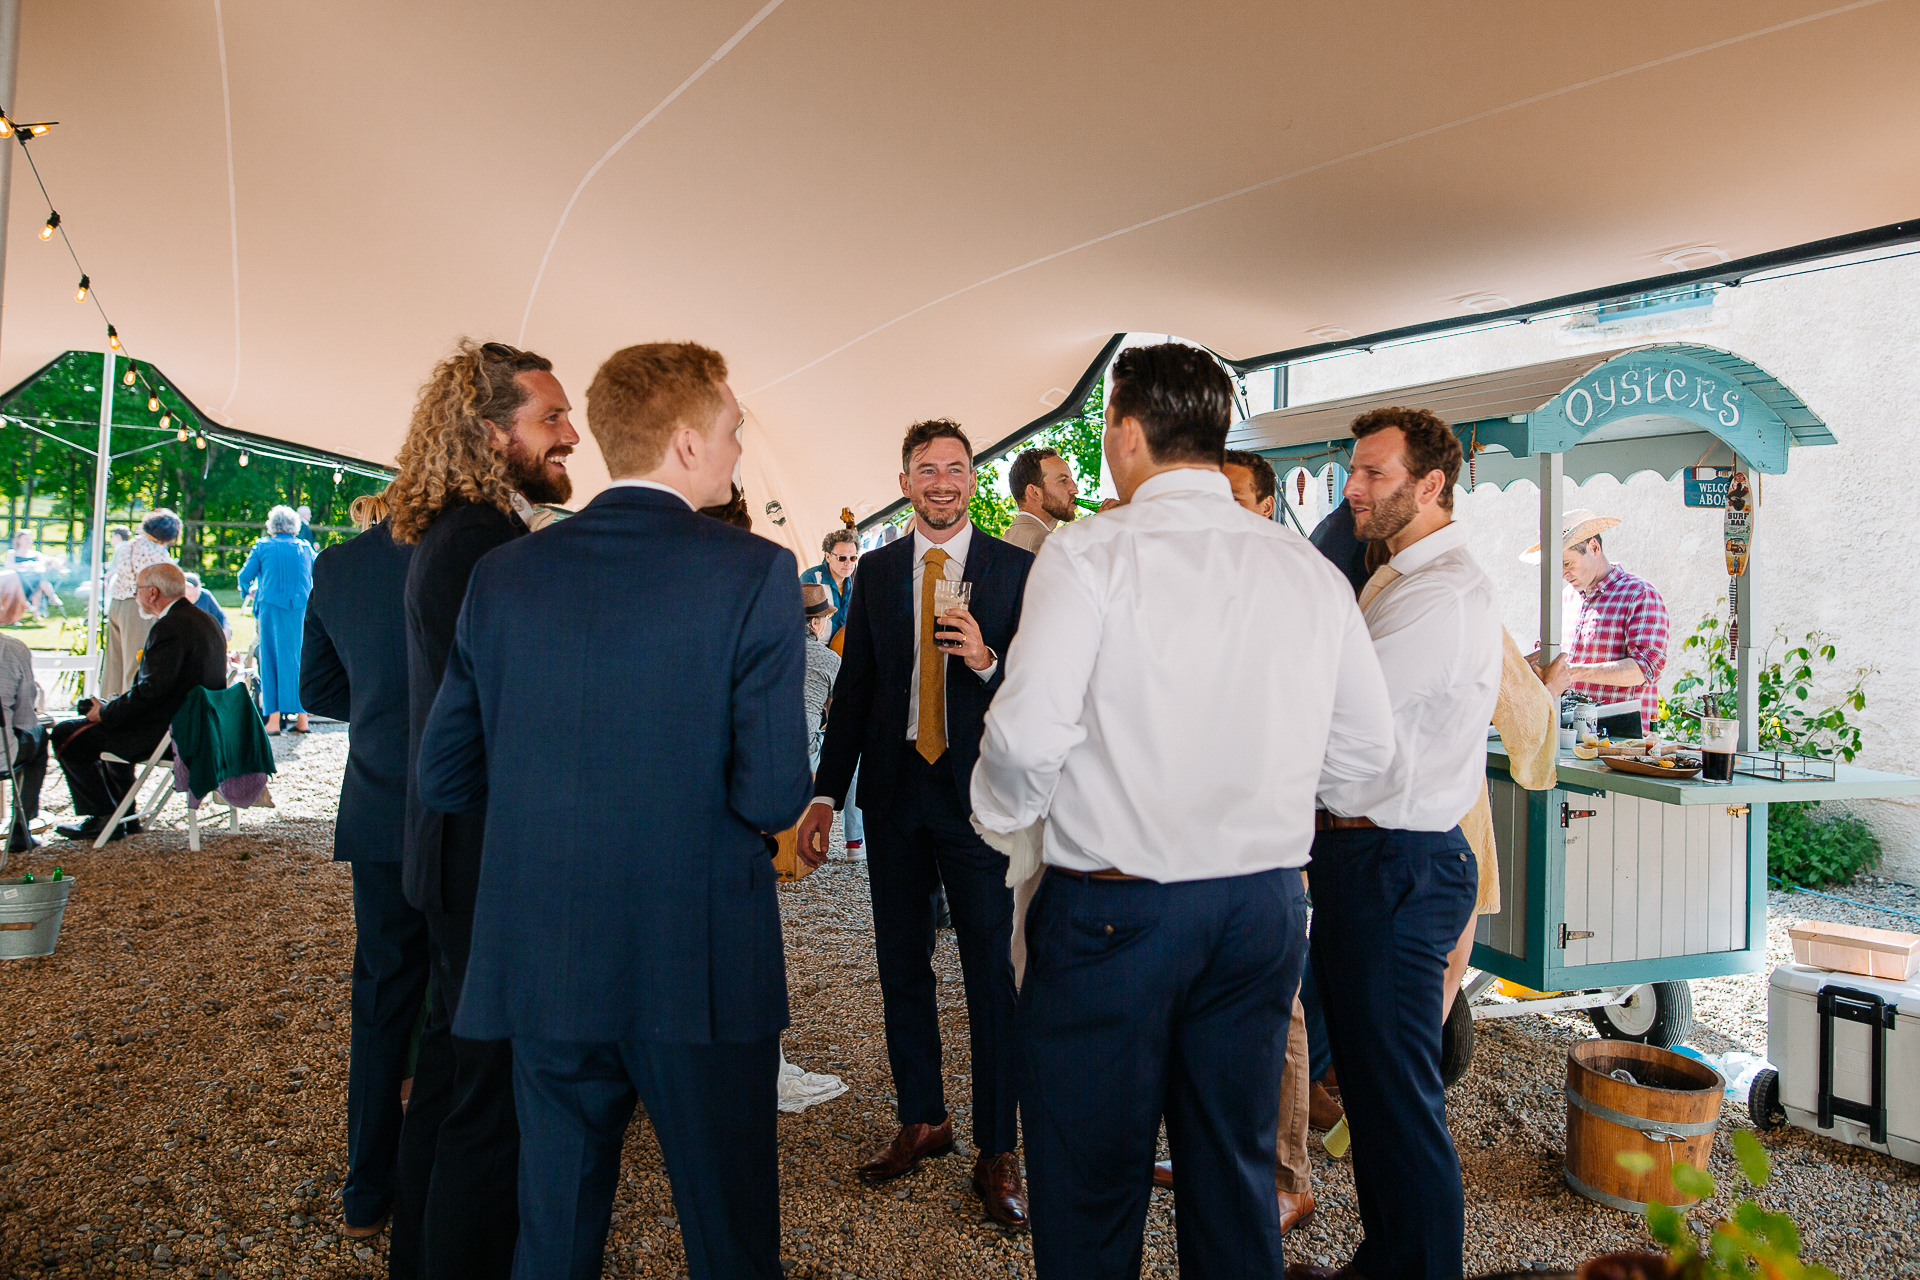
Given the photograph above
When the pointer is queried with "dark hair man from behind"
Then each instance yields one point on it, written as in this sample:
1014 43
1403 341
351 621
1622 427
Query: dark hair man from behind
490 436
353 668
653 967
1181 398
1253 481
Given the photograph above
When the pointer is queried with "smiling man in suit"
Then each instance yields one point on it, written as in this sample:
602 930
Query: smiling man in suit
651 964
907 709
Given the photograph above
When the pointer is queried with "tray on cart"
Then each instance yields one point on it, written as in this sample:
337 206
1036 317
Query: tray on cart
1632 764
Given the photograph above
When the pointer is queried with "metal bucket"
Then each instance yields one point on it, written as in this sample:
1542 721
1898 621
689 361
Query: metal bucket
30 916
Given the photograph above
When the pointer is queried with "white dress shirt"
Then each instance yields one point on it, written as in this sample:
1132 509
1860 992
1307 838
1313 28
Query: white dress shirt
1184 675
953 570
1436 630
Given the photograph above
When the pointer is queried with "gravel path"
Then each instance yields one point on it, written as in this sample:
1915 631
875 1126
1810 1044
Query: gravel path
176 1081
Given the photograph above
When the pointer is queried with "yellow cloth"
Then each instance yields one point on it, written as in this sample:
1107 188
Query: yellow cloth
1382 578
931 738
1528 719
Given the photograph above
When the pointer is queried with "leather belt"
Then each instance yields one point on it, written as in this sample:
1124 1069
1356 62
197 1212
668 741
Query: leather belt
1105 873
1324 821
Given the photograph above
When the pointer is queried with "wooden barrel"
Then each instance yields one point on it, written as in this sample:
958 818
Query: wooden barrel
1669 1113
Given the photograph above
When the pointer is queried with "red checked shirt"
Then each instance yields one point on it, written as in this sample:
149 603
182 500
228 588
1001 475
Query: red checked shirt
1622 617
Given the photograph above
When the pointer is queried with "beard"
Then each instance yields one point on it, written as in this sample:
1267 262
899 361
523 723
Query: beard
1061 509
922 510
529 474
1389 516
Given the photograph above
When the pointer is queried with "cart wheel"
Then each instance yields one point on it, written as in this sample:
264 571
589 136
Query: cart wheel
1655 1013
1456 1042
1763 1101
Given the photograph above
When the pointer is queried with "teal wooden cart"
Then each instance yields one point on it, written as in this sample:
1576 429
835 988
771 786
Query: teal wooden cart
1616 889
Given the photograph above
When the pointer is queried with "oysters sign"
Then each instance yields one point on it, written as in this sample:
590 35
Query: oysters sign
1646 386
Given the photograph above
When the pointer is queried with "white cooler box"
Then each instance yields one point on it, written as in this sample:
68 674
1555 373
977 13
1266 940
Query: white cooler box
1847 1048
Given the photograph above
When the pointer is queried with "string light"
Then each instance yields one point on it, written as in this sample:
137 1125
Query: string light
243 457
113 337
166 420
86 283
181 435
53 218
132 373
153 406
338 476
6 126
199 442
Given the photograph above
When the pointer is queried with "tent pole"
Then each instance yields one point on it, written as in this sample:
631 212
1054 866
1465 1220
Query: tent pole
102 464
9 81
1552 468
1746 688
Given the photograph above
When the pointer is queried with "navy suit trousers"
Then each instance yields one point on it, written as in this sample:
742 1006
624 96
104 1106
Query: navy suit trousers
1387 908
389 982
713 1110
919 842
1145 1001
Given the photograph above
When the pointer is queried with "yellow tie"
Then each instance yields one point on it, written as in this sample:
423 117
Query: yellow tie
931 736
1382 578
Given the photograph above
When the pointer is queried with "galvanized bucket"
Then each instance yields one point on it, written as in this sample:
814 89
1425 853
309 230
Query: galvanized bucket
30 916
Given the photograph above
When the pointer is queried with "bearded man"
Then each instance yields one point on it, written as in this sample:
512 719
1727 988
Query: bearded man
1043 488
908 709
1393 878
489 440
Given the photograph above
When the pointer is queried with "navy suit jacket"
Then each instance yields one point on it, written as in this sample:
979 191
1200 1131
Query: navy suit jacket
626 701
868 723
353 667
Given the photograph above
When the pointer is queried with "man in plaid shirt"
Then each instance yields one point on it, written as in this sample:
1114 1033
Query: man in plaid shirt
1621 641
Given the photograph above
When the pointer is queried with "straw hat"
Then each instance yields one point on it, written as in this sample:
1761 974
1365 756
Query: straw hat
814 597
1575 526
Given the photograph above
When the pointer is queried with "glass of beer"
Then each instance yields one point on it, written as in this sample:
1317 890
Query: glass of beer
948 596
1719 739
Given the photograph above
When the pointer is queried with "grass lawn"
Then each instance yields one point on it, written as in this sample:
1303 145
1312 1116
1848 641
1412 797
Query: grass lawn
69 634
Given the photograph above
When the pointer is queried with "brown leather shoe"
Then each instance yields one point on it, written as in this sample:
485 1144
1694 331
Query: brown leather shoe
1163 1174
352 1232
997 1181
1323 1107
914 1143
1307 1271
1295 1208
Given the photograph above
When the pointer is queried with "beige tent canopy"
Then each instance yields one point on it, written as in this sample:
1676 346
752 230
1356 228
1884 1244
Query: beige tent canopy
881 212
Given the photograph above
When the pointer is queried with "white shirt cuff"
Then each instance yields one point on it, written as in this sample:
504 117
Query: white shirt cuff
986 672
825 800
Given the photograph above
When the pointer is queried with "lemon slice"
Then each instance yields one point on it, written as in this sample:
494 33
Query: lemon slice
1586 751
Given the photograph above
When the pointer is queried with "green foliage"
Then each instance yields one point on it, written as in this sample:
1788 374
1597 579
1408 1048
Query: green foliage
1784 686
990 508
49 485
1749 1244
1807 850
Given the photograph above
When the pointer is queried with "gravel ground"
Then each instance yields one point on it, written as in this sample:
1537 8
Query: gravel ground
176 1076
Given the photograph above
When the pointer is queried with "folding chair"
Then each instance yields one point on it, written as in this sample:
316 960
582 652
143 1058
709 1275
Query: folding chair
155 802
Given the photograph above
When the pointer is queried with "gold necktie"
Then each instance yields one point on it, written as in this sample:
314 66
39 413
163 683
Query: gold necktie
1382 578
931 736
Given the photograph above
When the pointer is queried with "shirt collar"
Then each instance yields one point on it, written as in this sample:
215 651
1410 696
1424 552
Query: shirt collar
1045 522
1608 580
1185 479
652 484
955 547
1430 548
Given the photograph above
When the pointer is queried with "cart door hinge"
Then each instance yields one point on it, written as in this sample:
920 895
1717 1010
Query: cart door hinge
1572 935
1568 813
1737 811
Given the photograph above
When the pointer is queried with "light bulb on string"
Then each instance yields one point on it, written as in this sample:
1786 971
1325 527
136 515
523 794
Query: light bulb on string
166 420
243 457
338 476
113 337
153 405
53 215
80 290
6 126
199 442
132 374
181 435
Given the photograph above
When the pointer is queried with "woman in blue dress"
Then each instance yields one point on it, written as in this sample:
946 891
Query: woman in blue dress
279 574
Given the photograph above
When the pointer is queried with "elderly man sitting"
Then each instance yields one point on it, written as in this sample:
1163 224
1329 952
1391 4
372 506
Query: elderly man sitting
184 649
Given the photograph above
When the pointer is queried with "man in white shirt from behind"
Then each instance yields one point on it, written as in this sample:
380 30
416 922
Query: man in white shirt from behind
1185 673
1393 878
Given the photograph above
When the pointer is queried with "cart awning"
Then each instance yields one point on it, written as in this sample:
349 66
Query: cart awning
1656 408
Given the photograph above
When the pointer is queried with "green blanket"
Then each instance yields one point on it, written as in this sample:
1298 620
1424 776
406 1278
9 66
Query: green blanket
219 735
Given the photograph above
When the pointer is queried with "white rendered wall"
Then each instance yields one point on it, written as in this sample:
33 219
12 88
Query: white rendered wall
1834 540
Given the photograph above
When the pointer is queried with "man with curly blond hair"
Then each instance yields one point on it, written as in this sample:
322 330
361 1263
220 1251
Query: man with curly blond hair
489 439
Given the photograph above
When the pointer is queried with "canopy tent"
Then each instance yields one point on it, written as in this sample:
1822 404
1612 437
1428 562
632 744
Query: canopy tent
885 212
